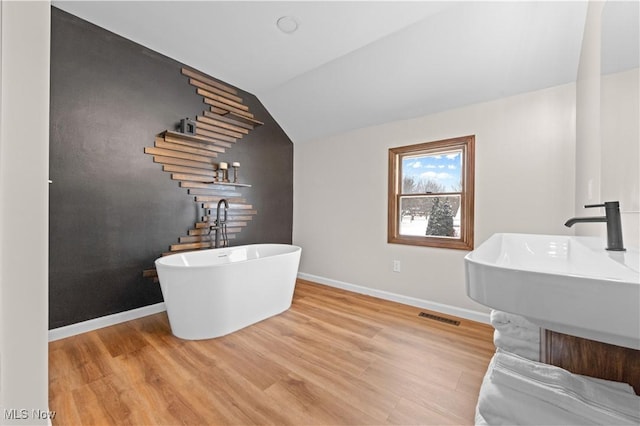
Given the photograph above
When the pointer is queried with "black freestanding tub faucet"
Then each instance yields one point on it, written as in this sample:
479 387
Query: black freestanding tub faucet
611 217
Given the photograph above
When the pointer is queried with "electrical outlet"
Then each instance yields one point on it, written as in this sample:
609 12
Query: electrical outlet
396 266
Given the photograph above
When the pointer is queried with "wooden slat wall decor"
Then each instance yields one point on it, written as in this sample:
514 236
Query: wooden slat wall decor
229 102
215 199
182 169
200 191
228 108
199 145
203 78
185 148
192 161
211 187
180 162
175 154
213 135
228 120
215 90
220 130
245 117
222 124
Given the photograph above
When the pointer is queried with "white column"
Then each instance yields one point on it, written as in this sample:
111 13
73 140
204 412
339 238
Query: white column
24 165
588 139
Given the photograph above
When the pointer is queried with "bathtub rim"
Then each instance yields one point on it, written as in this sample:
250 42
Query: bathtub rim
158 261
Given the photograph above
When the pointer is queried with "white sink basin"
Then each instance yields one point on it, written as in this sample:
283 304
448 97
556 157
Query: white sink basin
567 284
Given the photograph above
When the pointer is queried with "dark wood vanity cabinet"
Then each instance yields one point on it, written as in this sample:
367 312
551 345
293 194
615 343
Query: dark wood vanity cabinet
591 358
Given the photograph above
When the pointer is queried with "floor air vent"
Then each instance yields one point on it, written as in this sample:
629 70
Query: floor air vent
438 318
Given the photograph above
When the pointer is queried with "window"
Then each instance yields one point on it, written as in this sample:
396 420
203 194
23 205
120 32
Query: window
431 194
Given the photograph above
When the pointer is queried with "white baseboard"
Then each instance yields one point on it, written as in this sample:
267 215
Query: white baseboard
394 297
96 323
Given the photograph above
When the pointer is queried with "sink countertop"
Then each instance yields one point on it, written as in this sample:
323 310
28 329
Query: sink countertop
568 284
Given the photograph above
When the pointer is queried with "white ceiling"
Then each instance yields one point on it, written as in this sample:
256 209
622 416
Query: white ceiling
355 64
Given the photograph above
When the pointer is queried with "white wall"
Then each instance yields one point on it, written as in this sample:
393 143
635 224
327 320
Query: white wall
620 148
524 183
588 122
607 136
24 164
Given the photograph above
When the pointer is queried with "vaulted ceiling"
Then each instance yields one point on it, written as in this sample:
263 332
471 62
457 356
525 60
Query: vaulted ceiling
356 64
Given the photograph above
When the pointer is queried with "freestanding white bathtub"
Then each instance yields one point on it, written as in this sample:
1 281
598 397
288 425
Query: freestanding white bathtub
210 293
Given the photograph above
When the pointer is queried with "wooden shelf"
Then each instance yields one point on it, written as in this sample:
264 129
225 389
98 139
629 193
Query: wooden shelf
193 138
244 185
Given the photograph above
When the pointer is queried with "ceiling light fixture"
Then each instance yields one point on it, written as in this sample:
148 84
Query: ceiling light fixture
287 24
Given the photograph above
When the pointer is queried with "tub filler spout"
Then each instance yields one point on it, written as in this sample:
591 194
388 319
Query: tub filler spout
219 227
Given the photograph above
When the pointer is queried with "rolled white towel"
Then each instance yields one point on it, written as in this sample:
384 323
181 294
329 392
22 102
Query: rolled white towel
529 349
624 387
479 419
523 392
500 317
517 332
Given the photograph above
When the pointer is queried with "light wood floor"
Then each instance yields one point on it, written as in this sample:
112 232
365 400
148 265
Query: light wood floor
334 358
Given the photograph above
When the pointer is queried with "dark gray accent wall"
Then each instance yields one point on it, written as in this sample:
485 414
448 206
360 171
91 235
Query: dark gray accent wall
112 210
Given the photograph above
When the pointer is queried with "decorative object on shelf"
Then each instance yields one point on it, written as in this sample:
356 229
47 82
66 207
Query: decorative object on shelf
187 126
225 171
235 166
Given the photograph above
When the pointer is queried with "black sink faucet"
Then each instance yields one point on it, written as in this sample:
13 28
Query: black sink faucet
614 225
